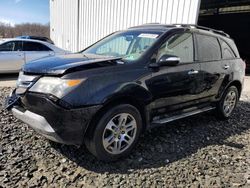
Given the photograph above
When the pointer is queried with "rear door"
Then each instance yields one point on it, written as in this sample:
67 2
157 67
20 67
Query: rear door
214 70
228 56
176 86
36 50
11 56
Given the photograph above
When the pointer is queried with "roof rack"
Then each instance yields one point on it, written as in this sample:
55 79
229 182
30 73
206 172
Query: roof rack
154 24
204 28
184 25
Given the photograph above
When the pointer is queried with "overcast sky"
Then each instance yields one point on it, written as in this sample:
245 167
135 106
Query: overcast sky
23 11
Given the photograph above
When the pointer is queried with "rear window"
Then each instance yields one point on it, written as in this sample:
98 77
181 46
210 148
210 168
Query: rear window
35 46
208 48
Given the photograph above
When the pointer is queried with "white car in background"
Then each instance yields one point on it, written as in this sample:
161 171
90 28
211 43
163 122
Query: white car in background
14 53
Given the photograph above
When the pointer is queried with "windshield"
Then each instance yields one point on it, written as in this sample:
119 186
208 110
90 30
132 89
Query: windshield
128 45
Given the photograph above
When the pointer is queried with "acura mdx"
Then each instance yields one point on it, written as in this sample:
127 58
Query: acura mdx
106 95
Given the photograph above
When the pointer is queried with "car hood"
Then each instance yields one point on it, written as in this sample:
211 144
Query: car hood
58 65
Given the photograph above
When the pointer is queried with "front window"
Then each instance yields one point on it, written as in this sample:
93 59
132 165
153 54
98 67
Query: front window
127 45
11 46
180 45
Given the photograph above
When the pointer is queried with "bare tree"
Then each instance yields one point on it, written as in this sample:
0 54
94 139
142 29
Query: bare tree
8 31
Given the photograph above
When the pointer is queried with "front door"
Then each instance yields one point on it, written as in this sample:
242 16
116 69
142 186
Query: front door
176 86
11 56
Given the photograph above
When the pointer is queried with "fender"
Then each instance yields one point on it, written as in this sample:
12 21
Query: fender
228 83
129 90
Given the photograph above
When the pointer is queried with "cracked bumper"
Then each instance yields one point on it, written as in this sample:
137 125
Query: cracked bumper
54 122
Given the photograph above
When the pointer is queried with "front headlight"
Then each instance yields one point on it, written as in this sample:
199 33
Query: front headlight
56 86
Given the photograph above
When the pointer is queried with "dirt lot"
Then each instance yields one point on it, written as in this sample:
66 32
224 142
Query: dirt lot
199 151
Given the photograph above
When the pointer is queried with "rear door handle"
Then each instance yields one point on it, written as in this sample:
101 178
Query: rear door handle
226 67
191 72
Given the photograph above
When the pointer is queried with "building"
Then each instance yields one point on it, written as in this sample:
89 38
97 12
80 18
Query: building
75 24
231 16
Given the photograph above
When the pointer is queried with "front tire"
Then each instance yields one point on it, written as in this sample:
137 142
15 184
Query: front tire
227 103
115 133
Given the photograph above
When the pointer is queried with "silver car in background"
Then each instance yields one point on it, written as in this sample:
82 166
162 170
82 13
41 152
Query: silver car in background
14 53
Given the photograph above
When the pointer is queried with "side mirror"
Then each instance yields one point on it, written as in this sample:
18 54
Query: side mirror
168 60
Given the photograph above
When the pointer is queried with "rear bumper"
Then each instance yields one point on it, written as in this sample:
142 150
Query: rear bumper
56 123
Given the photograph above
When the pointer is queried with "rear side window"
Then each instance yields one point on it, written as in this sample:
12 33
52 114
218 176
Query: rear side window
35 46
227 52
208 48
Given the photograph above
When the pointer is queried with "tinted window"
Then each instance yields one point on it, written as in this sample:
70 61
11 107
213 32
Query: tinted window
180 45
11 46
208 48
227 52
34 46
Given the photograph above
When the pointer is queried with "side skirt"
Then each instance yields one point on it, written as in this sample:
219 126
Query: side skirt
166 118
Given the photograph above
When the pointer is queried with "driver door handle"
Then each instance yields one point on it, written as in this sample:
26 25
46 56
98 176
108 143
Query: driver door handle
191 72
226 67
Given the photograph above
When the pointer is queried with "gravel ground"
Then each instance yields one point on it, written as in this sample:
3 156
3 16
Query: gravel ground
198 151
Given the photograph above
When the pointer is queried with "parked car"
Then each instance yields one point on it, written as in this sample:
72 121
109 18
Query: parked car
44 39
14 53
130 81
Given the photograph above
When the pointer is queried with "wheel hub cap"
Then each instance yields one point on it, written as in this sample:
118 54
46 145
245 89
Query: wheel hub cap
229 103
119 133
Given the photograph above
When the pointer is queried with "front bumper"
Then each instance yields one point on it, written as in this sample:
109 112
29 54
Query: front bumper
56 123
38 123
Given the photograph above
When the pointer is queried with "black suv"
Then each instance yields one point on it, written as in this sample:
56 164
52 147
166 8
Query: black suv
132 80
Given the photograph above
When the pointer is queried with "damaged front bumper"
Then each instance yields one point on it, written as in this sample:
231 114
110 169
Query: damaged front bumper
12 100
54 122
38 123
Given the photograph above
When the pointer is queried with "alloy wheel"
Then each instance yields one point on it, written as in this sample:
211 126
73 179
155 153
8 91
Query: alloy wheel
229 102
119 134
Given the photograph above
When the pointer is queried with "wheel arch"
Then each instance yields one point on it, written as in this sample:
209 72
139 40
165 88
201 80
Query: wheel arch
237 84
138 104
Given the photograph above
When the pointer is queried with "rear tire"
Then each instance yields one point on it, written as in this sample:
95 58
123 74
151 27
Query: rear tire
227 103
115 134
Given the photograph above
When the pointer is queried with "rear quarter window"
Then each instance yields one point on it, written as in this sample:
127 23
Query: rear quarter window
233 46
227 52
208 48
